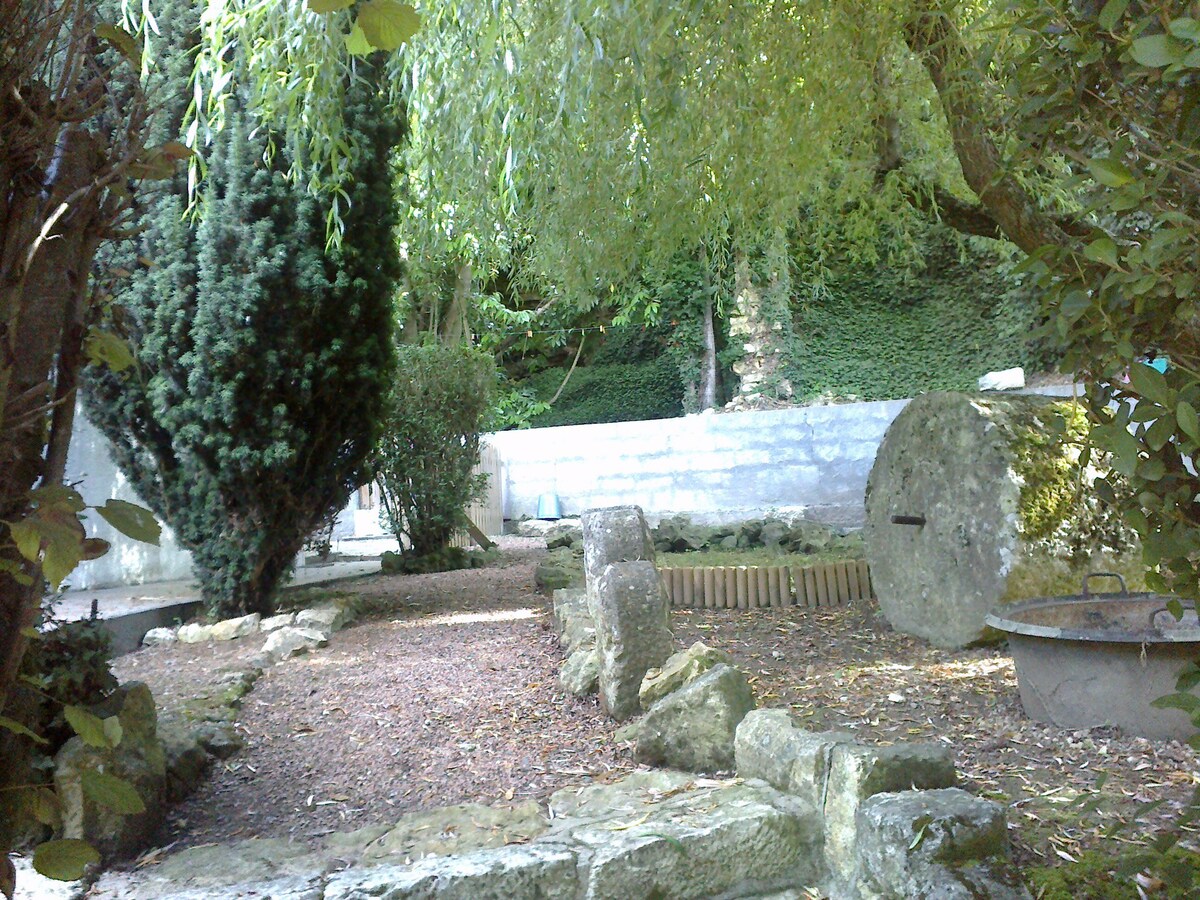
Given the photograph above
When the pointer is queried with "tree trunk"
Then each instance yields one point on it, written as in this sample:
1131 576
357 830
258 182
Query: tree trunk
710 374
935 41
45 291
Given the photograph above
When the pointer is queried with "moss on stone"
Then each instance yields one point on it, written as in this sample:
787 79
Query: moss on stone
1096 876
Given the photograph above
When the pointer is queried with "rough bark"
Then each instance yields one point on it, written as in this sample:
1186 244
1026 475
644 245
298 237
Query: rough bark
932 37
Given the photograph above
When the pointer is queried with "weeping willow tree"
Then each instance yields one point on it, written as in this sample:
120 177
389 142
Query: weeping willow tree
607 134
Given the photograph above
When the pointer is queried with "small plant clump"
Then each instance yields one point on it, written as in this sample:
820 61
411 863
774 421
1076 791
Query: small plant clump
440 398
445 560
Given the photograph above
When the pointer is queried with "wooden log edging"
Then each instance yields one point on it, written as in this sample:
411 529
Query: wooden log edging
761 587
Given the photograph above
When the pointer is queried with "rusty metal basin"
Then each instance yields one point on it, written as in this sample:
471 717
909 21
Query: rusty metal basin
1100 659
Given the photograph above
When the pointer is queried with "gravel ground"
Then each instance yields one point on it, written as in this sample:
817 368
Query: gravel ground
449 695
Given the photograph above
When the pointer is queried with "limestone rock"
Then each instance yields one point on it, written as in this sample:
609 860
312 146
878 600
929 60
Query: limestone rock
557 571
748 838
221 739
857 772
580 674
137 759
263 868
230 629
544 527
613 534
447 830
563 535
274 623
290 641
185 758
694 727
680 669
194 633
159 636
633 632
573 621
942 843
769 746
506 873
327 618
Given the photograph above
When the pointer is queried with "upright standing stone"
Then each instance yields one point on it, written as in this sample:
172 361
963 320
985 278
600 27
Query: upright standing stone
613 534
633 632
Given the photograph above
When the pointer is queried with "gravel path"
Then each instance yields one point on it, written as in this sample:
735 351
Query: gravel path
450 694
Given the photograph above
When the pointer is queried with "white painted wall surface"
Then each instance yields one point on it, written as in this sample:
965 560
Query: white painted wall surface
811 461
128 561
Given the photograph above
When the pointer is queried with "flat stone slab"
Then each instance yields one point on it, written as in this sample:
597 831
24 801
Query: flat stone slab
654 834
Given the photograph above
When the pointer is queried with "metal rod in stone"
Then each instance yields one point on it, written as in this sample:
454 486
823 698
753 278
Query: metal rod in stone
919 521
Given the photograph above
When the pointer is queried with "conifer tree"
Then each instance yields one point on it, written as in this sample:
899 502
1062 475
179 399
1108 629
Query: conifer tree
262 357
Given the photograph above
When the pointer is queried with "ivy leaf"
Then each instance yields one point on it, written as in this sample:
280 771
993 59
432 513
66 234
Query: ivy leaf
105 348
1189 423
1110 172
25 536
64 860
1150 383
17 728
112 792
94 548
122 41
88 726
46 808
1186 29
1111 14
131 520
113 731
328 6
1102 250
1156 51
388 23
357 43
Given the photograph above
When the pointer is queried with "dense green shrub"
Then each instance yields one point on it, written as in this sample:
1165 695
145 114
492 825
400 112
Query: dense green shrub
440 399
616 392
883 333
262 358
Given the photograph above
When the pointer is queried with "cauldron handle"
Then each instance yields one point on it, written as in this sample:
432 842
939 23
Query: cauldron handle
1087 596
1185 604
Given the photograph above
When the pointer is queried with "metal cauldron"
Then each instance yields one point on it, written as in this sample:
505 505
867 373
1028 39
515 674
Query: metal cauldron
1101 659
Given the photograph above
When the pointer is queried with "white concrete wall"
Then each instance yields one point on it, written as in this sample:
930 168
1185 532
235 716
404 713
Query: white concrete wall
811 461
128 562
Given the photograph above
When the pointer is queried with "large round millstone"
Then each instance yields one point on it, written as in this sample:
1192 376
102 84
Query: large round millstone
975 501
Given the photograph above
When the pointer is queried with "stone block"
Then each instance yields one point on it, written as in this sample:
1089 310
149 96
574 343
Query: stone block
159 636
185 759
274 623
613 534
458 829
580 674
230 629
194 633
633 632
680 669
940 843
694 728
290 641
327 618
573 621
533 872
857 772
138 759
769 746
747 840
